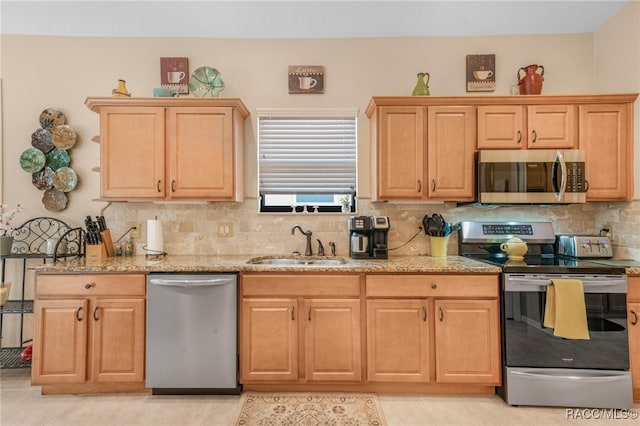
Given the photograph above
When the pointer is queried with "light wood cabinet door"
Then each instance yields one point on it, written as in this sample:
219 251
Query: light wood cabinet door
450 152
400 156
527 127
398 340
606 139
132 152
118 340
501 127
201 152
60 341
552 127
269 340
467 341
332 340
633 319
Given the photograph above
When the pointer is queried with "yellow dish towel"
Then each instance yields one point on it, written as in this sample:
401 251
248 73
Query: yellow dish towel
565 310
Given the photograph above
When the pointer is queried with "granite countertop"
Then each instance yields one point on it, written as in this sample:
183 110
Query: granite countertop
238 263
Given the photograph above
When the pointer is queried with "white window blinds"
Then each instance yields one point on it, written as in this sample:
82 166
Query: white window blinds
307 152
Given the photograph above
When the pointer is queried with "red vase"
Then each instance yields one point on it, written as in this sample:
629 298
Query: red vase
531 82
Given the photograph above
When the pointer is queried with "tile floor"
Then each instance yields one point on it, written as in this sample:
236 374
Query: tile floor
22 404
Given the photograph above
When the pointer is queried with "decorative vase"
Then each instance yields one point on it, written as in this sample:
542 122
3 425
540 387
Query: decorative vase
5 245
121 91
531 82
422 87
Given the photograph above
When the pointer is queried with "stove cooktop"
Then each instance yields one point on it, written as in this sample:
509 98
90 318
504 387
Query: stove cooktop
547 264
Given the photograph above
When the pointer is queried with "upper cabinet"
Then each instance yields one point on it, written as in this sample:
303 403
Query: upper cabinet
171 148
422 153
423 146
527 127
606 136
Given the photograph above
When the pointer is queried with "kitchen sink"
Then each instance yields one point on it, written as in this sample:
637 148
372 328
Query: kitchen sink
288 261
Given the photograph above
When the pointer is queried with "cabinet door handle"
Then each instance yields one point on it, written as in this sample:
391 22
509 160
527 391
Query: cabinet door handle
519 136
434 286
293 314
535 136
424 313
419 185
433 185
88 285
78 317
95 314
173 186
158 186
441 314
634 321
309 314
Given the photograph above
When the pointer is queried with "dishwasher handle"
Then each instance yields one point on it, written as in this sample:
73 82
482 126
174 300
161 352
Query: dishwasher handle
206 282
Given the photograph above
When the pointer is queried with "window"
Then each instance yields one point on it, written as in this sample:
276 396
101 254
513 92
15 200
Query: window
307 159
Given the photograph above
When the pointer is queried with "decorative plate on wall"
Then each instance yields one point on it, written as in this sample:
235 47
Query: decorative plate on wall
57 158
32 160
64 137
51 117
54 200
43 180
65 179
41 139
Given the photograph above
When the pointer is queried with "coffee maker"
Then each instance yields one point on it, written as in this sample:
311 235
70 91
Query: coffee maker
368 237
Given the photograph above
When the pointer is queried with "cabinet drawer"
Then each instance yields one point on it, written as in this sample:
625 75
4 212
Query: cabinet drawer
432 286
300 285
633 289
90 285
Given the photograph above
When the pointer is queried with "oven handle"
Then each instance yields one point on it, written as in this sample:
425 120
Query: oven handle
575 377
515 284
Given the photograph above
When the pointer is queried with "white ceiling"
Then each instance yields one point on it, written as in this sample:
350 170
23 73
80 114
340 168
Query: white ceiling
303 19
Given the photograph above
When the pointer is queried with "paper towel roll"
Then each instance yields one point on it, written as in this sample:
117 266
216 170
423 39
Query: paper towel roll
154 236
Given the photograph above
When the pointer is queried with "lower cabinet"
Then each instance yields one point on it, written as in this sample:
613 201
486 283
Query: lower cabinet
89 332
467 341
300 328
433 329
633 320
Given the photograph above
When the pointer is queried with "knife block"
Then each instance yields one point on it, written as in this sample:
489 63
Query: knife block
107 242
96 251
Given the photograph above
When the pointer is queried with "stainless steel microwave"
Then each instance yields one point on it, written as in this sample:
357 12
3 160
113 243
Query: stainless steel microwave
536 176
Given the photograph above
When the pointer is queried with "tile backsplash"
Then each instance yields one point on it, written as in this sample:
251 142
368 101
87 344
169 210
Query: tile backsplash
193 228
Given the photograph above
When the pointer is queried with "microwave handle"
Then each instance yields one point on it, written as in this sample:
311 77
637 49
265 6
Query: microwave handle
563 181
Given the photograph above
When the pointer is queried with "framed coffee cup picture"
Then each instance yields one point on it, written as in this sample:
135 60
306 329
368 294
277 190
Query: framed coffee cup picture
306 79
481 73
174 74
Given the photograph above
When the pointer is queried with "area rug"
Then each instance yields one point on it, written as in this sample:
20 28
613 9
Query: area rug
307 409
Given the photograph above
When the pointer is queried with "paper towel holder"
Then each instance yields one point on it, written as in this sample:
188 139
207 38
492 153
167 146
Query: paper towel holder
157 250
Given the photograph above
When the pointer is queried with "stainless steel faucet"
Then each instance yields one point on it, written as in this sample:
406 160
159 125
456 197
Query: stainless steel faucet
308 234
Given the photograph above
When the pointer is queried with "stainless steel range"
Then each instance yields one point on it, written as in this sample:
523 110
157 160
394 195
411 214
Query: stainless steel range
540 368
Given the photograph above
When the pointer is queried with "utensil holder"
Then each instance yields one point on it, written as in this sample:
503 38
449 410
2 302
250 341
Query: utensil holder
439 246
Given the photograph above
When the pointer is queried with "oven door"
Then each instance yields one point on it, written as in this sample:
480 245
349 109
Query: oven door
527 343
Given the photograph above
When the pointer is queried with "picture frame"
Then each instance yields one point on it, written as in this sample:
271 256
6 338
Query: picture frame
174 74
481 73
306 79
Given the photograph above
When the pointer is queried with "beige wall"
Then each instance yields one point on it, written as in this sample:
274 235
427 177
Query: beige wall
60 72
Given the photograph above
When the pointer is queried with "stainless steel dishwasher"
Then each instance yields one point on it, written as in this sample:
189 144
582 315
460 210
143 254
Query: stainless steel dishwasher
192 334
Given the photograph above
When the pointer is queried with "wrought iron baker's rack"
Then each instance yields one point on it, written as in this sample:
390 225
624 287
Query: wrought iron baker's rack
30 242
